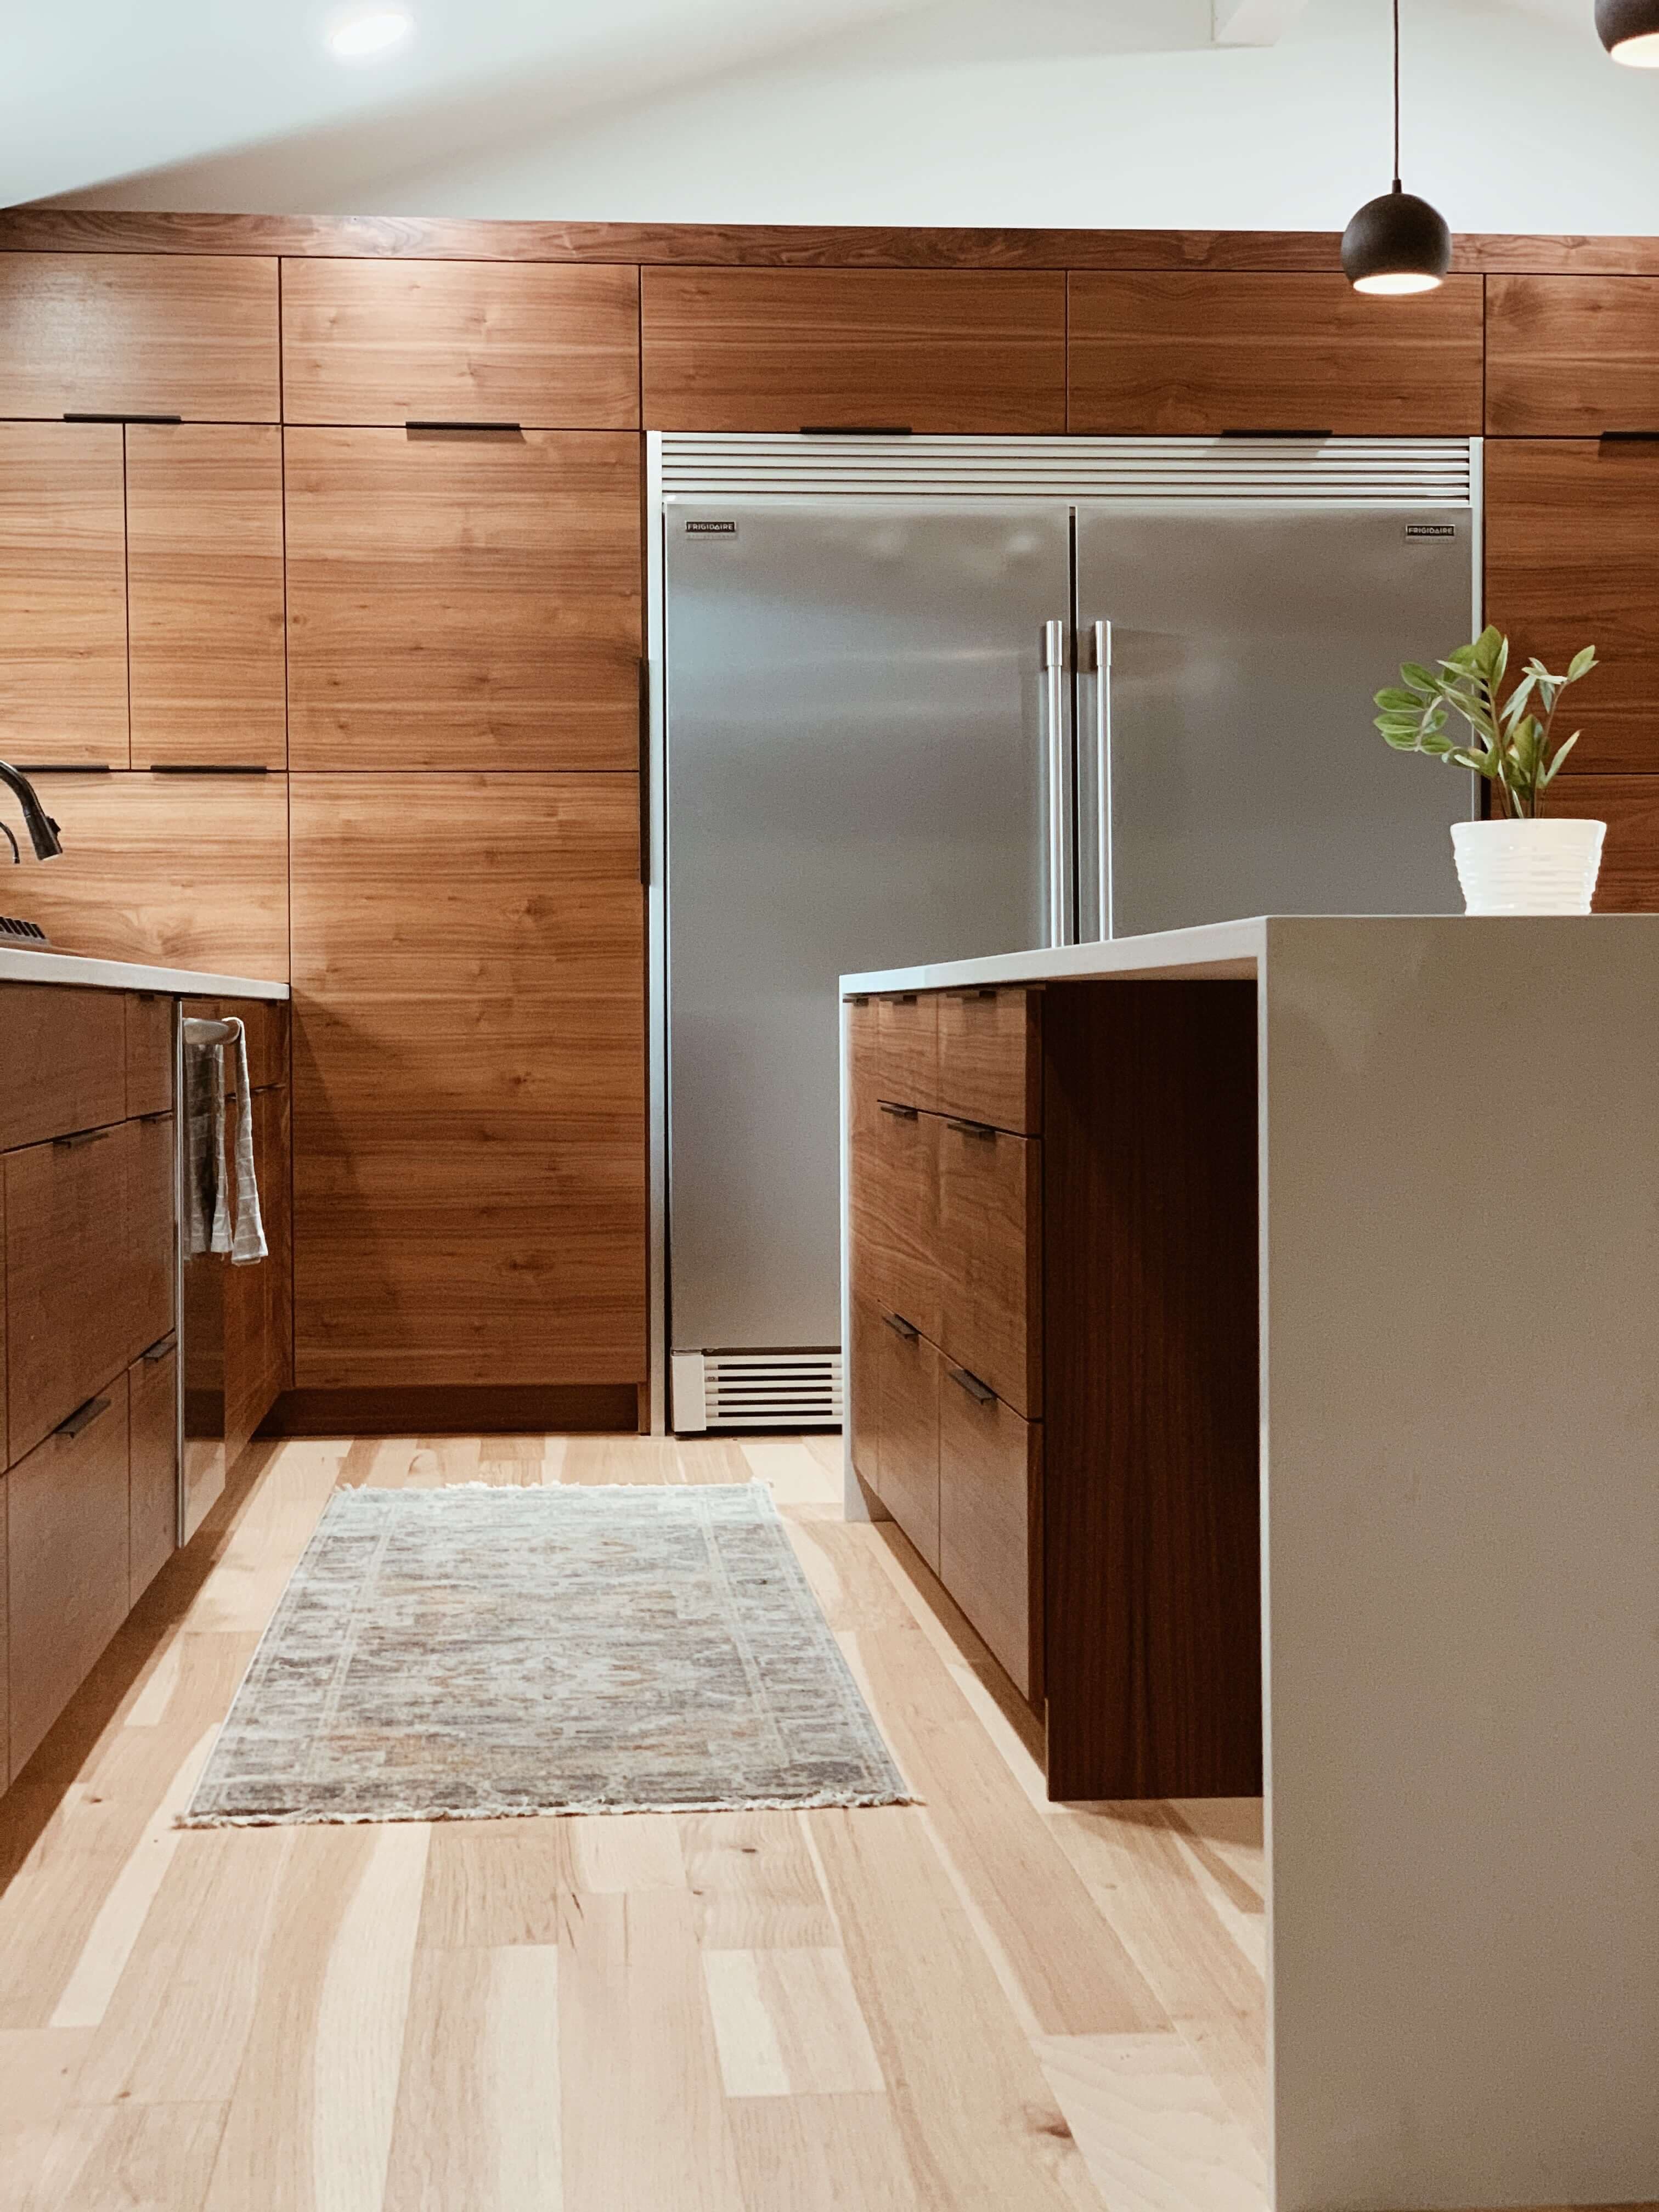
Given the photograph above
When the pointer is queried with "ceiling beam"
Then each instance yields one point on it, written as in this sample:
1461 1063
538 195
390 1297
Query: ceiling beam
1253 22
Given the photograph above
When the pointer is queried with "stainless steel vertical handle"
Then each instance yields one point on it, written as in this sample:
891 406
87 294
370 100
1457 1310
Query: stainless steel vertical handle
1058 782
1100 828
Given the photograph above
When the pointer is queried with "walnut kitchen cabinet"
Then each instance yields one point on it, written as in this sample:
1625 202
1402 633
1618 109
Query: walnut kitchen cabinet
957 350
1572 559
469 1081
1572 357
544 345
126 334
63 593
1184 354
205 595
462 600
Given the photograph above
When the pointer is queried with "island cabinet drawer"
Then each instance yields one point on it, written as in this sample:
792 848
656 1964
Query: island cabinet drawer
153 1470
67 1561
990 1058
907 1062
62 1061
990 1519
990 1259
907 1371
895 1221
149 1053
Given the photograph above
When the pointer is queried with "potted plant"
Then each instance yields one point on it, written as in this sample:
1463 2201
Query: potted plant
1517 862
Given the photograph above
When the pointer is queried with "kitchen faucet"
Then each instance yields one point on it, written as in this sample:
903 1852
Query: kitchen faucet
43 830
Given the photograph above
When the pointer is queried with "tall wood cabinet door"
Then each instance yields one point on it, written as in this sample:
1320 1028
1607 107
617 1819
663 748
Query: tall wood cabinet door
547 346
204 593
990 1505
1183 354
1572 357
806 348
468 1080
463 600
63 593
183 334
1572 559
152 1467
180 870
68 1562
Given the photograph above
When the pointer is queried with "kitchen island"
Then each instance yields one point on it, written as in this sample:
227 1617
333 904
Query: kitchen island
1255 1329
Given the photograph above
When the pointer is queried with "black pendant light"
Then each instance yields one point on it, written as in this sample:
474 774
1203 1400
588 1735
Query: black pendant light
1630 30
1398 244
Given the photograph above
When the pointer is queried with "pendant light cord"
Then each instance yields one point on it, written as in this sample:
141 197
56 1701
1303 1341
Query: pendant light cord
1396 96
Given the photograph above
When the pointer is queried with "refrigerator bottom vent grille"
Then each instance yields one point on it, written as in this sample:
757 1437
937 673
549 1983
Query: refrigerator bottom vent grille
758 1390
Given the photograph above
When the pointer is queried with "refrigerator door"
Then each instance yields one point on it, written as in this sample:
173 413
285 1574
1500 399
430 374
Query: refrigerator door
858 724
1229 764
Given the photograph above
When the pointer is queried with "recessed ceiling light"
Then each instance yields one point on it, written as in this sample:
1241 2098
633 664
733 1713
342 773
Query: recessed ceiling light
370 33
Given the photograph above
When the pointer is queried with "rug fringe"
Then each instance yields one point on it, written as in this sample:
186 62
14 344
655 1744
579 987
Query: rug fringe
825 1801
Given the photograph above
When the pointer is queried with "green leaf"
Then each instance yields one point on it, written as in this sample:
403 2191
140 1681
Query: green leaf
1581 664
1554 768
1392 696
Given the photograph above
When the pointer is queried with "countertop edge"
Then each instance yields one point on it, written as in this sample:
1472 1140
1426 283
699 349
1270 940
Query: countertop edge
1216 949
71 968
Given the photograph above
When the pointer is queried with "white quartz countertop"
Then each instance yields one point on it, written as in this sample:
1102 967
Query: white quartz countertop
1218 949
129 975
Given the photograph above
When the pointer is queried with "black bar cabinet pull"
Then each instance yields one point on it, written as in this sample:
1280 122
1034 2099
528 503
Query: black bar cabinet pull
82 1418
899 1113
207 767
88 417
157 1352
984 991
63 767
81 1137
858 999
900 1327
980 1392
1630 437
413 425
973 1129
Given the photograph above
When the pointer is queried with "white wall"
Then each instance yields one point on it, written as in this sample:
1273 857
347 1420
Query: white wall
1034 113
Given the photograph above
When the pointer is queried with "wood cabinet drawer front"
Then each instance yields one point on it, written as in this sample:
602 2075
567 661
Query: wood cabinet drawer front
899 1218
1191 352
395 342
798 348
265 1021
149 1053
863 1390
908 1055
908 1370
1570 356
152 1489
990 1058
90 1262
989 1524
989 1244
62 1061
68 1569
62 596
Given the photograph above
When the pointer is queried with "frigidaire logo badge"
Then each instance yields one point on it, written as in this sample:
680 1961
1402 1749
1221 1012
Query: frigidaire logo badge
1431 530
711 529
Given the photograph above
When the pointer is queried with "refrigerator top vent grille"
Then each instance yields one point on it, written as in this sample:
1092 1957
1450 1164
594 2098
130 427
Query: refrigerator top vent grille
1434 471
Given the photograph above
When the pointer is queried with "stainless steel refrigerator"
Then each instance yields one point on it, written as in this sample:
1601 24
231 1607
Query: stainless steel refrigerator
929 698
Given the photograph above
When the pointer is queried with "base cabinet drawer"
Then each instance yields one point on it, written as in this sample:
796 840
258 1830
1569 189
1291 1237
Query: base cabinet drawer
906 1029
907 1371
990 1260
990 1543
153 1469
149 1053
68 1567
62 1061
895 1227
990 1058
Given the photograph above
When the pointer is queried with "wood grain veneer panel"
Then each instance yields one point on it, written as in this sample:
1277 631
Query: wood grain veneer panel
468 1073
149 1052
990 1525
908 1371
1570 356
908 1054
62 1061
1170 355
119 334
265 1024
1629 805
463 600
190 872
782 349
1572 559
63 594
390 342
67 1566
895 1217
990 1260
68 1277
990 1058
1151 1492
204 593
152 1467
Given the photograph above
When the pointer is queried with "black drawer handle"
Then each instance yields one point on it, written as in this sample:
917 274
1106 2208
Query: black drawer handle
902 998
1628 437
900 1327
207 767
82 1418
969 998
980 1392
157 1352
974 1129
899 1113
413 424
858 999
81 1137
83 416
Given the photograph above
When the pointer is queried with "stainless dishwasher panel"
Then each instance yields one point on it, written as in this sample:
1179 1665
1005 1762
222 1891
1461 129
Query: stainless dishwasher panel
857 728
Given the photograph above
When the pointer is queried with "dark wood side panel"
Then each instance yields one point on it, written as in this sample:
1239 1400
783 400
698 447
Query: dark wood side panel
1570 356
788 350
1175 355
1572 559
63 594
1151 1490
62 1061
552 348
556 1408
152 1467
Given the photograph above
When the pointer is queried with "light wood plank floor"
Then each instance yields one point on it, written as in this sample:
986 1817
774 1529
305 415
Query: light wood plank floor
979 2001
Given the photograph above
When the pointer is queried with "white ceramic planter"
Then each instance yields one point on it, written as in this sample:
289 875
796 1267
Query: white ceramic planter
1528 867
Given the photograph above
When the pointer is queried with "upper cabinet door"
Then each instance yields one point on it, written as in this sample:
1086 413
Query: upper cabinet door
62 595
463 600
193 335
1572 559
1570 356
1192 355
396 342
205 595
805 348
